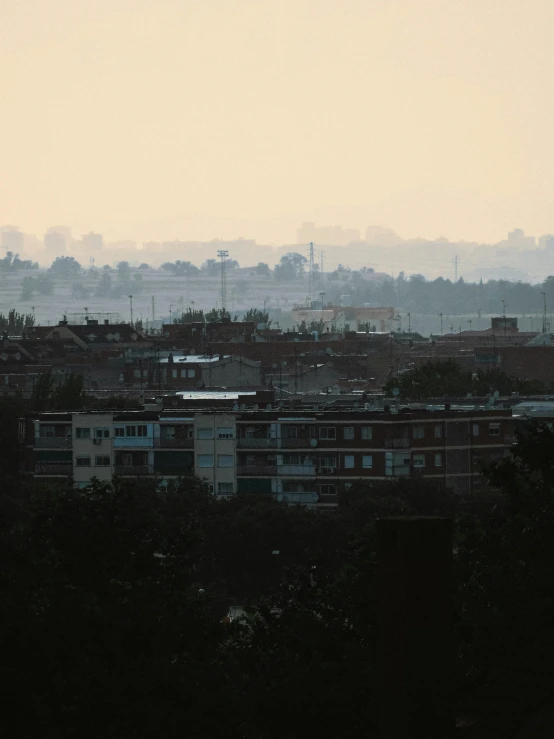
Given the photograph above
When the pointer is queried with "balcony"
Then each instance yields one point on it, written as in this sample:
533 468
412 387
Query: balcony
53 442
296 470
397 442
173 443
302 443
256 443
257 470
133 470
53 468
177 471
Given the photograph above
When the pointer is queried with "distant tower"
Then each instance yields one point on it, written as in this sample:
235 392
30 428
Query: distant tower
312 272
223 254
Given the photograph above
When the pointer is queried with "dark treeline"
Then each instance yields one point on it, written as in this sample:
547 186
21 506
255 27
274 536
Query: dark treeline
114 602
419 295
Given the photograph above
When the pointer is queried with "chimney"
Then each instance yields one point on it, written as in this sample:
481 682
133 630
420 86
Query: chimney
106 321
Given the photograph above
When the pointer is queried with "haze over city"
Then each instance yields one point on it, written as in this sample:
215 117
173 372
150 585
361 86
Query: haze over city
152 121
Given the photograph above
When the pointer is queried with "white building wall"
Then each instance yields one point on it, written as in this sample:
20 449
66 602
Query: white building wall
92 447
222 479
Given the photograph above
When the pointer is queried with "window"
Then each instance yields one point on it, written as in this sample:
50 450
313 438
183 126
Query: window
327 462
494 429
348 432
290 432
438 431
205 460
225 460
367 433
137 373
418 460
438 460
134 431
102 433
418 432
47 432
167 432
82 433
327 489
191 373
291 459
206 433
174 373
475 429
327 432
224 487
102 462
367 461
225 432
183 373
82 461
119 431
348 461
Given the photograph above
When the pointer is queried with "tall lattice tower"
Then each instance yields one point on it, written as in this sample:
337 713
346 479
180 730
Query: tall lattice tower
223 254
311 272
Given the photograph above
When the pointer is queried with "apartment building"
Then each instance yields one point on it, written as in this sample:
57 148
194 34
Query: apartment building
303 456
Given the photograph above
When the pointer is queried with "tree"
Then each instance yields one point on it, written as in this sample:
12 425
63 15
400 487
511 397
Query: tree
14 323
65 267
291 267
263 270
257 316
211 267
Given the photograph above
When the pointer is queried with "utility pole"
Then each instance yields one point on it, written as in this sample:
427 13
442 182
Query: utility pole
456 262
321 257
543 312
504 306
131 306
223 254
153 308
409 323
311 272
440 316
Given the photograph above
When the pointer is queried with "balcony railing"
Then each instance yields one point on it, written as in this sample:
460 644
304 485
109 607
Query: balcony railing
296 443
174 443
296 470
176 471
256 443
133 469
53 468
53 442
398 442
256 470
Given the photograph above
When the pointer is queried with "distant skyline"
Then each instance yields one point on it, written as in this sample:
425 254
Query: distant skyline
196 120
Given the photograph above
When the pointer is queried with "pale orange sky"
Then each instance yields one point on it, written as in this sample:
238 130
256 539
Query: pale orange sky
428 116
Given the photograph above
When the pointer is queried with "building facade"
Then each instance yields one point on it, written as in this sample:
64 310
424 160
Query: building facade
300 456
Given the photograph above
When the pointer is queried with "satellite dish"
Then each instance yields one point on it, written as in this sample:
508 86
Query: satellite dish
395 391
313 442
268 407
367 406
256 407
235 406
243 407
496 394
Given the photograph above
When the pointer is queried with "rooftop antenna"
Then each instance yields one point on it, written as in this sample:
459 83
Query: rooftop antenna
456 262
131 307
153 308
544 313
223 254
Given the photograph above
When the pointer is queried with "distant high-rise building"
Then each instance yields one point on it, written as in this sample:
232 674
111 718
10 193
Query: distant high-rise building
93 242
518 239
546 241
327 235
12 239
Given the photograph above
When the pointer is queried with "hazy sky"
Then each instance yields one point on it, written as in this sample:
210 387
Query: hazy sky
428 116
